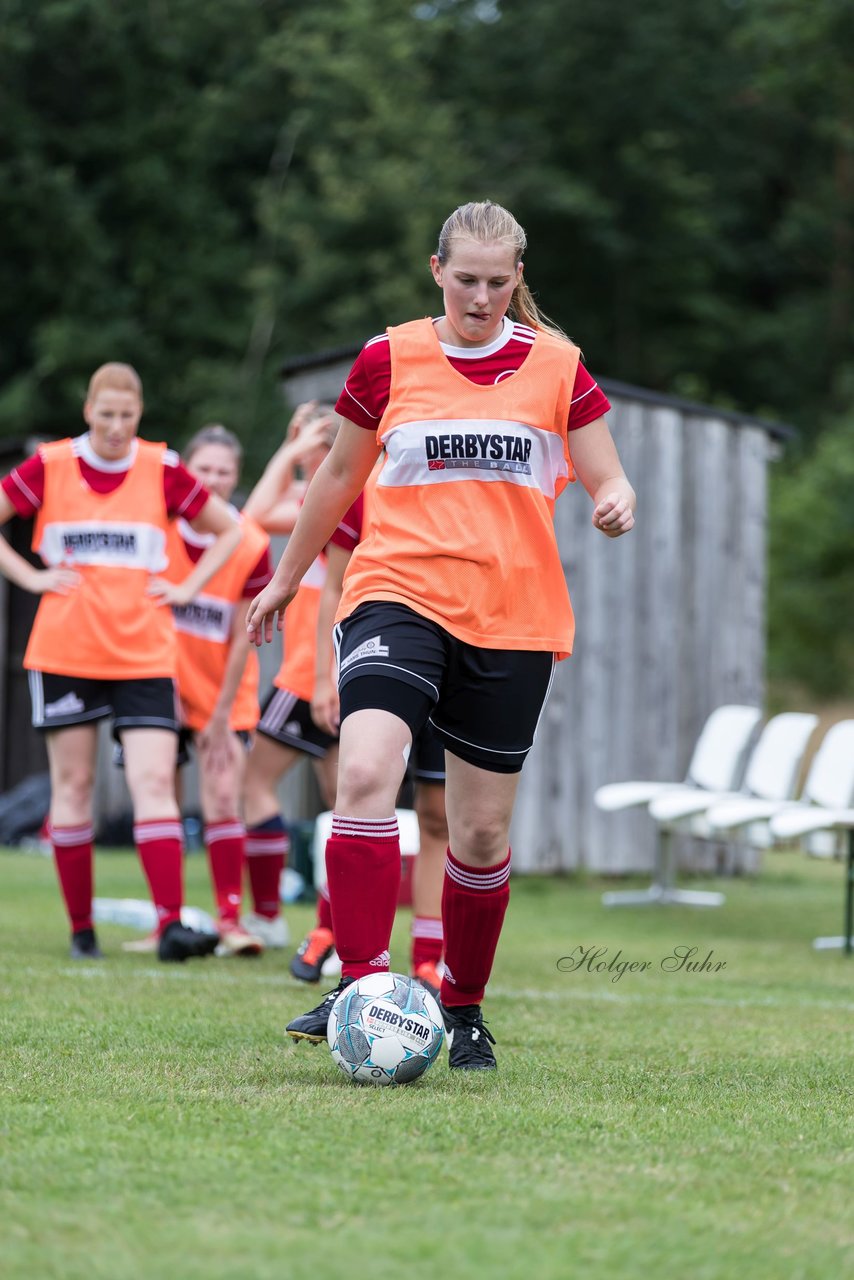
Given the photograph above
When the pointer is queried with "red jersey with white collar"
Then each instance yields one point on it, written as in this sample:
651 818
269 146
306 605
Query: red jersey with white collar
365 396
461 516
183 494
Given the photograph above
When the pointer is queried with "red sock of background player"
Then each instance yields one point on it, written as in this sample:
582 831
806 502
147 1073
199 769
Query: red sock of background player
160 844
73 855
363 873
427 934
324 909
267 847
474 901
226 845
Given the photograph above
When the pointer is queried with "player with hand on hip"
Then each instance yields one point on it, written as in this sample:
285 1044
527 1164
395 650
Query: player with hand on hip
103 641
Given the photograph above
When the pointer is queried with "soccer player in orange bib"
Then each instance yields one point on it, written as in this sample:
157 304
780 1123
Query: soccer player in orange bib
103 641
218 675
286 733
455 605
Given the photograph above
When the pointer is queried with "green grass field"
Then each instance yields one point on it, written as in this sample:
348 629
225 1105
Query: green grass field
154 1122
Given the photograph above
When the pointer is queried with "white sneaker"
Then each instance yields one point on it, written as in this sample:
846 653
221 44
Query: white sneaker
273 933
236 940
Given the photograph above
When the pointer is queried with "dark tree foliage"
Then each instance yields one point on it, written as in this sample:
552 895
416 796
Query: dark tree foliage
204 189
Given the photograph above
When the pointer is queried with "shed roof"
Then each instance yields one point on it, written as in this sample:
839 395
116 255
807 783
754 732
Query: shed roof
624 390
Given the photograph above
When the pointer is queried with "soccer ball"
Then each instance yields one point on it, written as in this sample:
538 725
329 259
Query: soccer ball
385 1029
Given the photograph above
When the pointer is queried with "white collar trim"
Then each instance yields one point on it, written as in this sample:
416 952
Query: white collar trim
83 449
475 353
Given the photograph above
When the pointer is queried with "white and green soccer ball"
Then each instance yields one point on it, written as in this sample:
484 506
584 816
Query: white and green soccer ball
385 1029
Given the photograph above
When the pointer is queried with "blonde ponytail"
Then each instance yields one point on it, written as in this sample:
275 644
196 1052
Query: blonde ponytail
490 224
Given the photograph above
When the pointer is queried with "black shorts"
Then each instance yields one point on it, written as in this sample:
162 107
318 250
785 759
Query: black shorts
60 702
484 704
286 718
427 758
186 738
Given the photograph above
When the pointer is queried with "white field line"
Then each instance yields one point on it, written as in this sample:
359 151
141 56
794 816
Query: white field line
287 987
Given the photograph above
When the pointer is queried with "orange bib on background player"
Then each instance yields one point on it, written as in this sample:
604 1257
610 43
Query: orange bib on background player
296 674
204 628
461 526
106 628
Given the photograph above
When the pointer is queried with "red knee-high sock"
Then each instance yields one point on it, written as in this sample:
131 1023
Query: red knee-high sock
426 940
160 844
226 845
474 900
267 847
324 909
73 856
363 870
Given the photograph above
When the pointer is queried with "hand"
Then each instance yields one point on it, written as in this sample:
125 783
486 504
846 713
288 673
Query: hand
259 618
613 516
171 593
326 707
60 581
314 433
302 414
215 747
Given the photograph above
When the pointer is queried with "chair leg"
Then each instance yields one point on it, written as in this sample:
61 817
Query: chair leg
846 942
662 891
849 894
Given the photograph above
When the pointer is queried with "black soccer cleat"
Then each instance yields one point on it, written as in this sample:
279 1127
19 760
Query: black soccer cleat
84 945
312 953
177 943
469 1040
312 1026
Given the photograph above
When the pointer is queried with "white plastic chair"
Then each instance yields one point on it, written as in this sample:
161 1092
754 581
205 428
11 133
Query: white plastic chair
829 784
824 805
715 762
804 820
715 766
771 773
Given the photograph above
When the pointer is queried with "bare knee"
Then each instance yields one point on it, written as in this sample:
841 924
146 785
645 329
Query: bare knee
72 783
365 788
152 783
430 808
480 842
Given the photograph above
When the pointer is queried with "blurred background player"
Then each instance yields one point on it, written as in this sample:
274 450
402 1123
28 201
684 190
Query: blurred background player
425 769
286 732
103 641
218 678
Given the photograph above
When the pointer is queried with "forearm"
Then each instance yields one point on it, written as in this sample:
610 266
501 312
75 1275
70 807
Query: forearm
276 480
212 560
329 495
337 559
14 567
235 666
324 654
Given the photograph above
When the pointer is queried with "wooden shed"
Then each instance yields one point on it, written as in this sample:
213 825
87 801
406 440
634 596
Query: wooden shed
670 620
671 623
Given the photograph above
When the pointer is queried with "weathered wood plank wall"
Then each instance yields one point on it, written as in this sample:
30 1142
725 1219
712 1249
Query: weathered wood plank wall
670 625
